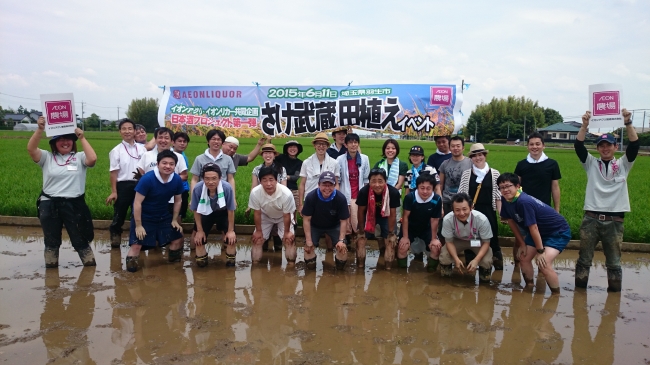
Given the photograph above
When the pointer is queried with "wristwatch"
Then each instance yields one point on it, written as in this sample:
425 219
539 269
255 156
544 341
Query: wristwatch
540 250
343 240
628 123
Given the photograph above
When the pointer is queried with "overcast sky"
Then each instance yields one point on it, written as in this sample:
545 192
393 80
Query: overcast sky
108 53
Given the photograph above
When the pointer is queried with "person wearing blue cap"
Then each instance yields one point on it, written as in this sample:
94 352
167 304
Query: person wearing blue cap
330 207
606 201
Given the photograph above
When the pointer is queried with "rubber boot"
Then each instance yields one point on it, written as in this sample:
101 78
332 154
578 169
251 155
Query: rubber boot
614 280
51 257
277 244
361 262
87 256
484 275
402 263
230 260
497 261
202 261
432 264
582 276
340 264
132 263
555 290
116 240
382 246
446 270
175 255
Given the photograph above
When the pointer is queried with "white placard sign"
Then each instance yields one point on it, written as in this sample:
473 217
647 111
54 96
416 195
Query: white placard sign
58 110
605 105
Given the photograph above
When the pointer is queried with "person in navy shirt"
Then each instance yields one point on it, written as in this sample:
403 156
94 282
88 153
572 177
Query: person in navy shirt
548 232
152 222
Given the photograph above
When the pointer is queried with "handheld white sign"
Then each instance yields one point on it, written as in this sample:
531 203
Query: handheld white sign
605 105
58 110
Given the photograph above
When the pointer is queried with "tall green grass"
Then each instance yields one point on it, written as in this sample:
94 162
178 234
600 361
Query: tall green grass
21 179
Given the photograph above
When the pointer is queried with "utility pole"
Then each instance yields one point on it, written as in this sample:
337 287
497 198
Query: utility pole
643 125
118 113
524 130
83 122
508 136
462 86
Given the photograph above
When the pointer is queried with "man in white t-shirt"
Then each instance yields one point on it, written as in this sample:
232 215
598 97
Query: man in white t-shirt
164 137
272 204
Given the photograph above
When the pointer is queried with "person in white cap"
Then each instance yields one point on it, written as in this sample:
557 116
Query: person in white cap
230 146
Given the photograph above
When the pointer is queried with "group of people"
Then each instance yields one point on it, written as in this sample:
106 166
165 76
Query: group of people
448 207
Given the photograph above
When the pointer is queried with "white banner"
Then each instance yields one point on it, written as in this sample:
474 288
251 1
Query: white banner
58 110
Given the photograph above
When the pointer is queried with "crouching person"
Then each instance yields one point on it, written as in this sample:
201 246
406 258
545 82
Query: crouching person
422 208
330 208
213 203
466 229
152 222
548 232
378 203
272 204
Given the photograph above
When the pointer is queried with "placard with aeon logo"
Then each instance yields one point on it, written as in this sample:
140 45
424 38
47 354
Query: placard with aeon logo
605 105
59 113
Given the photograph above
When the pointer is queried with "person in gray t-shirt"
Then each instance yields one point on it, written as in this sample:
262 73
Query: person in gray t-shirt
231 145
451 170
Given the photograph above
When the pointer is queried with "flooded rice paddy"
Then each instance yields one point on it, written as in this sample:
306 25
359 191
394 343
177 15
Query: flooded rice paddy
279 313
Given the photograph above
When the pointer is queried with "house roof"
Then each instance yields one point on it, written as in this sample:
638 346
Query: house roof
16 117
560 127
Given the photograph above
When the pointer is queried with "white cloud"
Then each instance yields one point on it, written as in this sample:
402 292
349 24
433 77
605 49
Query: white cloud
620 70
51 73
82 83
89 71
550 16
642 76
13 80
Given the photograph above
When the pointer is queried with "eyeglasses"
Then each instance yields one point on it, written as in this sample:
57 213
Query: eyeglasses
505 187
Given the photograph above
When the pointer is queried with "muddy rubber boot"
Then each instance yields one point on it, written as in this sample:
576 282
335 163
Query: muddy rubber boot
484 275
311 263
51 257
175 255
361 262
116 240
202 261
340 264
402 263
132 263
87 256
614 280
555 290
582 276
446 270
230 260
432 265
382 246
277 244
497 261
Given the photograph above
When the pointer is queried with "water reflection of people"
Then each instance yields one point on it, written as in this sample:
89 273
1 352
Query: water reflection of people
600 349
64 326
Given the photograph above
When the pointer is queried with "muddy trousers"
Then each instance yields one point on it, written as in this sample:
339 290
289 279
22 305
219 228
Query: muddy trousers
124 201
610 234
71 213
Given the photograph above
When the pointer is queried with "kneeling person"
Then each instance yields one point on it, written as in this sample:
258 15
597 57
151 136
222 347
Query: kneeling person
330 207
151 221
422 208
272 204
213 203
466 229
548 232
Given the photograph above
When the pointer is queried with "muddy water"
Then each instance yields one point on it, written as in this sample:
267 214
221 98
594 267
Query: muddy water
274 313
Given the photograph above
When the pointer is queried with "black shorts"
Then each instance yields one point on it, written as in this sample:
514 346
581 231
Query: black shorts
184 204
218 218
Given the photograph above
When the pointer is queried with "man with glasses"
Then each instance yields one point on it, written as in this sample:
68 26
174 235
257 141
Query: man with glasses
547 232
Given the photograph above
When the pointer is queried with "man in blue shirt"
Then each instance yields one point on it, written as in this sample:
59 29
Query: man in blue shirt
548 232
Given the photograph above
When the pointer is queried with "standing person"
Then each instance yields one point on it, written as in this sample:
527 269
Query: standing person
181 140
292 165
354 167
377 205
539 175
330 208
231 145
451 170
416 156
164 137
480 183
395 169
422 208
606 201
62 199
268 155
152 221
140 134
442 153
547 232
466 229
123 160
214 154
338 146
272 204
315 165
213 203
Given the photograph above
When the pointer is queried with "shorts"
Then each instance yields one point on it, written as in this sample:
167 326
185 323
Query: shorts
557 240
268 223
383 226
333 233
218 218
184 204
424 236
161 232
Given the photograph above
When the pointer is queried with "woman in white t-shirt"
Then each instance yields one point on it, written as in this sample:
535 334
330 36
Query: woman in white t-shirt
61 202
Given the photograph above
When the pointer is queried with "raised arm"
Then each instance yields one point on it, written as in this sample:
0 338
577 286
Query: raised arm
32 145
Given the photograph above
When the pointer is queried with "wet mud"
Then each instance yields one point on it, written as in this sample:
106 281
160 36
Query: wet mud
281 313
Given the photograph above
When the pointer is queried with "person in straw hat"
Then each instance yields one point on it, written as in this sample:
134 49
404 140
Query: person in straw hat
315 165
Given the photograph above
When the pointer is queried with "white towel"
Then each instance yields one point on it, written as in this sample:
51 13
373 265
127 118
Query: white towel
420 200
205 207
542 158
480 173
157 172
214 159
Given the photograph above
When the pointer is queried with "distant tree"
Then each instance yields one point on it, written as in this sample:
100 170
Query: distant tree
552 116
21 110
144 111
93 121
2 116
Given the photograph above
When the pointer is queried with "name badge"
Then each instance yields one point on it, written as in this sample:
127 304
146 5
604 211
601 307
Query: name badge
475 243
619 179
72 167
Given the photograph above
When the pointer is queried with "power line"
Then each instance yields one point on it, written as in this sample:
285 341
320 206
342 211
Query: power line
76 102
